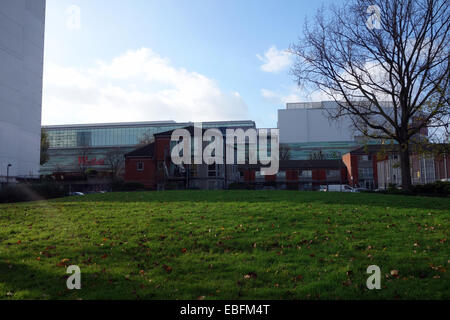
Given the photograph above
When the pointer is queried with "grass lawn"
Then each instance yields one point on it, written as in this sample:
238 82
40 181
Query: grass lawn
226 245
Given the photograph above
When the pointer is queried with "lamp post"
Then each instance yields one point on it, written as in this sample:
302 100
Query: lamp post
7 173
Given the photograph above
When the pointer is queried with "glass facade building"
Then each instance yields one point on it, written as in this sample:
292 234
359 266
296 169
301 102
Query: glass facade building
320 150
331 150
75 146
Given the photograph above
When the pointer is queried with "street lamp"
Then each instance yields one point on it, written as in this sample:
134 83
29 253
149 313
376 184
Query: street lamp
7 173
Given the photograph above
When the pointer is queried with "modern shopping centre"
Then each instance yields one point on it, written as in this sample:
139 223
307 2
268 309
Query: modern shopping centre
76 147
304 129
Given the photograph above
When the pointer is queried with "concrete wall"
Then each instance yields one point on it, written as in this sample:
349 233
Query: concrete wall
312 125
22 24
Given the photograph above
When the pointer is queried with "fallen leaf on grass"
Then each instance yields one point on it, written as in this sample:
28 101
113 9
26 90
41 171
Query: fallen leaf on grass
299 278
251 275
63 263
167 268
394 273
347 283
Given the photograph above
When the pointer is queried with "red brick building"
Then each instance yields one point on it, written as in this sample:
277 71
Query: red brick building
298 174
151 166
426 167
361 165
140 166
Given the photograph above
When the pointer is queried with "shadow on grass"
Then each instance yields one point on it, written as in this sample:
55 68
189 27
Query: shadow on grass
288 197
23 280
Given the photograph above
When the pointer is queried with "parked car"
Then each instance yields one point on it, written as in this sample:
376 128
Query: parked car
361 190
323 188
77 194
339 188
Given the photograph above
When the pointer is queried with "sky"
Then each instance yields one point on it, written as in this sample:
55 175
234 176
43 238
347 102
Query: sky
153 60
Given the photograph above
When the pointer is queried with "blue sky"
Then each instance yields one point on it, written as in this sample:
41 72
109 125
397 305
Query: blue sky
144 60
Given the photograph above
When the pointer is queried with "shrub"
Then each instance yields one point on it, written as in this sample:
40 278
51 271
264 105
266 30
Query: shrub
435 188
438 188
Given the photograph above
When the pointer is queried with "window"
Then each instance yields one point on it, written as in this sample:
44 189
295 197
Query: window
140 166
333 174
306 186
365 173
212 170
193 170
305 174
281 174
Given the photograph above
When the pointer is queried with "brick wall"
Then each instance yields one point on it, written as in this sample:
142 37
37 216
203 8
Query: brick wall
146 176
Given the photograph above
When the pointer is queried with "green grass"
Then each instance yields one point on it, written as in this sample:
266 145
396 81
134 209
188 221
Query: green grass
198 244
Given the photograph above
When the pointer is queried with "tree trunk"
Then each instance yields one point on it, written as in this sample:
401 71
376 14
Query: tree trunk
405 166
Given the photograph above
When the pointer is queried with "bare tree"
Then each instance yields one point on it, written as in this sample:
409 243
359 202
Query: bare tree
381 70
115 160
146 138
45 145
83 161
318 155
285 152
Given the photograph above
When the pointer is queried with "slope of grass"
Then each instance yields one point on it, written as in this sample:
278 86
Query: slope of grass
226 245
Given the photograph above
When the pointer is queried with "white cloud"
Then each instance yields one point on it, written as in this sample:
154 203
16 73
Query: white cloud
275 60
136 86
293 94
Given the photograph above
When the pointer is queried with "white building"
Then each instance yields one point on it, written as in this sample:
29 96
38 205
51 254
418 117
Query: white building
309 122
305 128
22 24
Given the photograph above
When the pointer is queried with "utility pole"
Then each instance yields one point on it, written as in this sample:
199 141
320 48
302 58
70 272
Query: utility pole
7 173
225 161
340 170
445 166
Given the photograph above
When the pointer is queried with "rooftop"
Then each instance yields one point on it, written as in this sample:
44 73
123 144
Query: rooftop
143 123
320 104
